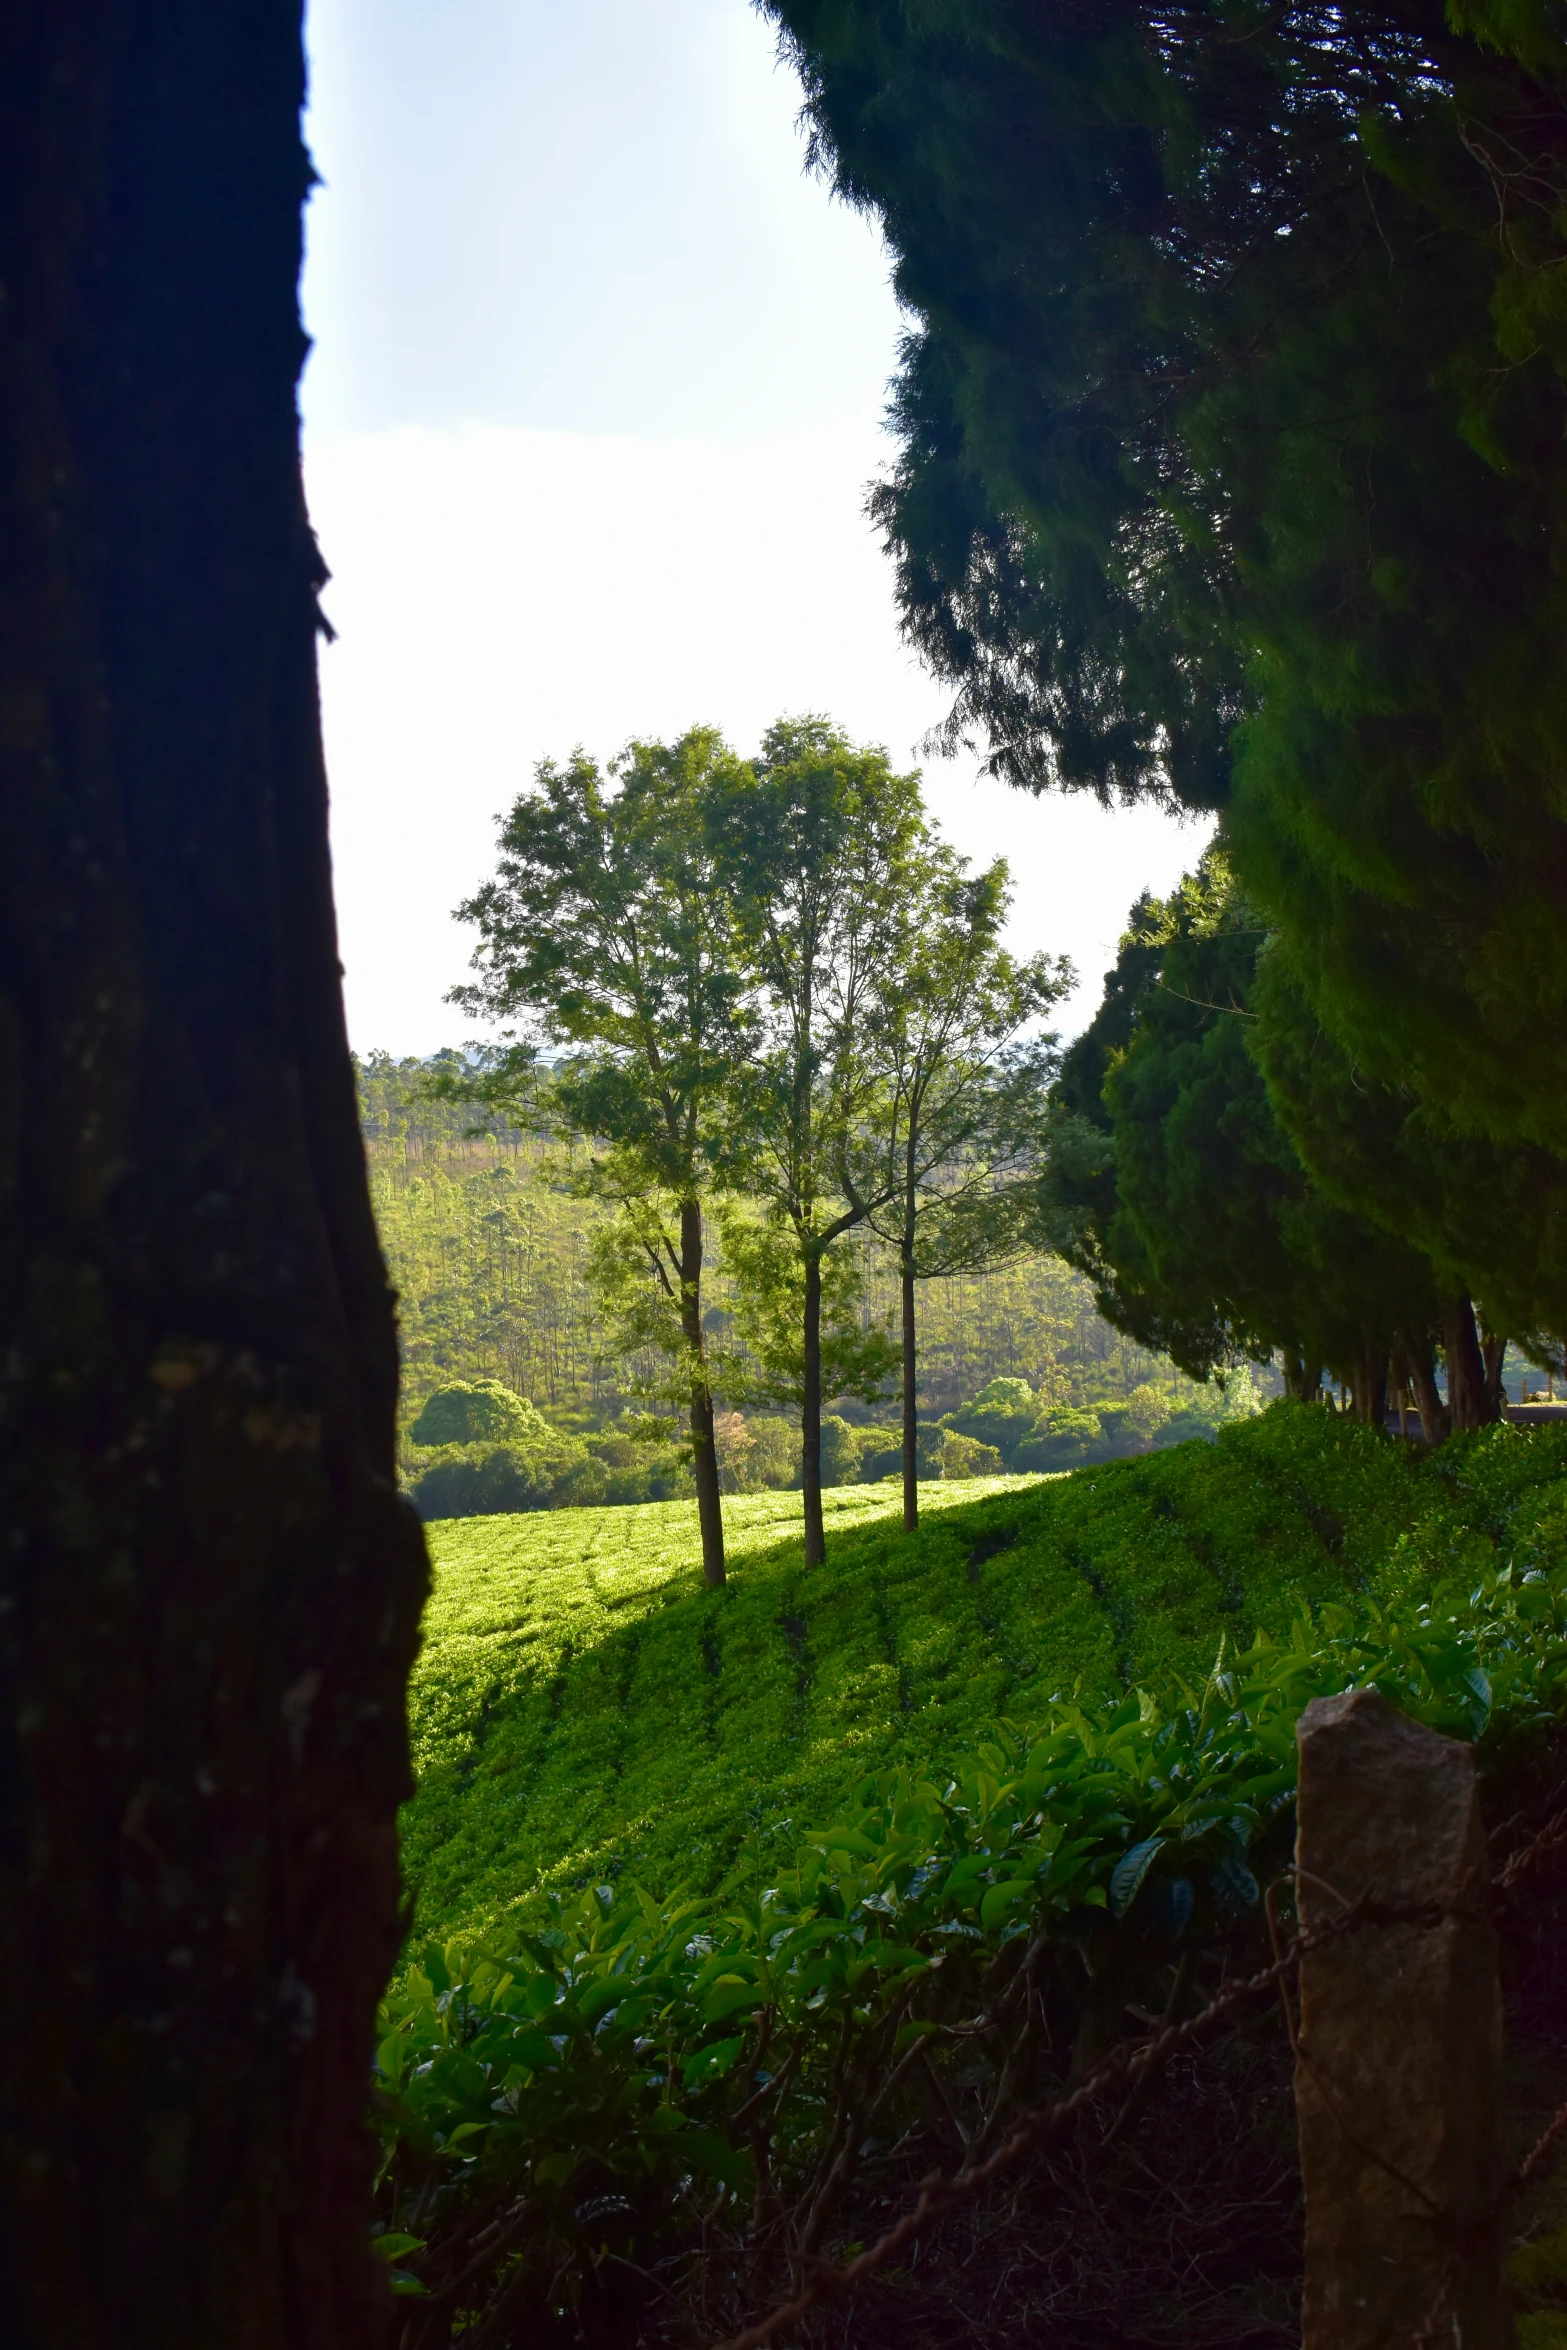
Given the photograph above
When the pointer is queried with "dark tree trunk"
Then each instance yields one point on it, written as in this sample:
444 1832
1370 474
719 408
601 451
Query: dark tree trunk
1371 1376
1434 1423
1469 1400
209 1588
704 1455
811 1413
911 1460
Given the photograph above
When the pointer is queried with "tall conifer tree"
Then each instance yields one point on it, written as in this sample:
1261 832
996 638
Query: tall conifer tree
1233 465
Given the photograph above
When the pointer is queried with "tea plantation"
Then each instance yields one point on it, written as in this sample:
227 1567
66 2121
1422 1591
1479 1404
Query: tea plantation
585 1710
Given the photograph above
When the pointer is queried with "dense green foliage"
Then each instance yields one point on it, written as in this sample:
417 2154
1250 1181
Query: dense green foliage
479 1411
1185 1198
1233 467
1176 1183
962 1825
620 1465
637 1459
827 853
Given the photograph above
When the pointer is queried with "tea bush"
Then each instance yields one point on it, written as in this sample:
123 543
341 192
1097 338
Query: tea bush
583 1707
967 1856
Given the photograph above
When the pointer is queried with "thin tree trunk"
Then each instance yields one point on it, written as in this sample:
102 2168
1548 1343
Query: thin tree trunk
209 1587
1400 1376
1493 1353
811 1414
911 1464
704 1455
1470 1404
1434 1425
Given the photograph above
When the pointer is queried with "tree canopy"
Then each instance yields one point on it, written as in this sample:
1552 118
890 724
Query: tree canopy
777 997
606 931
1232 461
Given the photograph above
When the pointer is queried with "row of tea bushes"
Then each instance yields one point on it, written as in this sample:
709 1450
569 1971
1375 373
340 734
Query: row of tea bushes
578 2085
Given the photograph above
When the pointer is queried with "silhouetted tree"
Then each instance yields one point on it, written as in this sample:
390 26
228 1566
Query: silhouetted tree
209 1587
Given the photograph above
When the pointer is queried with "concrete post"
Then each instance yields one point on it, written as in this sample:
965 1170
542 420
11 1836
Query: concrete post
1400 2041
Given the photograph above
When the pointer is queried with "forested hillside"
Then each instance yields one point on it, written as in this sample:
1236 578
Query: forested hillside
488 1252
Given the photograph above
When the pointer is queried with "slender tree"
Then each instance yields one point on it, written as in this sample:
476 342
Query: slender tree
821 845
209 1587
856 1353
607 927
954 1139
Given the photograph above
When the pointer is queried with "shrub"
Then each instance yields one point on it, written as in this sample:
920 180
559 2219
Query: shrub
756 1455
1002 1414
965 1456
1062 1439
1191 1424
484 1481
616 1450
851 1455
840 1451
480 1411
939 1452
1134 1424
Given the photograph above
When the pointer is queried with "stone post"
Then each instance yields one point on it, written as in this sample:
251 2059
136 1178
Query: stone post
1396 2083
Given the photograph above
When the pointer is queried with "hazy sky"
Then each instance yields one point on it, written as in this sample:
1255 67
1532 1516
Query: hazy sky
596 392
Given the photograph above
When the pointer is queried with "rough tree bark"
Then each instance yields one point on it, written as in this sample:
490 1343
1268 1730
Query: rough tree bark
704 1453
209 1588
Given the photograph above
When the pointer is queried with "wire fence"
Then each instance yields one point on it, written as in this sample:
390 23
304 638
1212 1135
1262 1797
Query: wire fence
1136 2062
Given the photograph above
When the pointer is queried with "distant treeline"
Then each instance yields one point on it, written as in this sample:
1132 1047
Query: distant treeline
488 1251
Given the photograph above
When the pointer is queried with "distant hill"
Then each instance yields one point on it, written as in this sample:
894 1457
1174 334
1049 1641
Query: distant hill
487 1247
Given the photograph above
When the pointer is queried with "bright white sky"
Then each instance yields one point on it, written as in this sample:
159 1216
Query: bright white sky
597 390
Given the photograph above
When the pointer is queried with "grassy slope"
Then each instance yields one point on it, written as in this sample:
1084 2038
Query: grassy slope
584 1705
